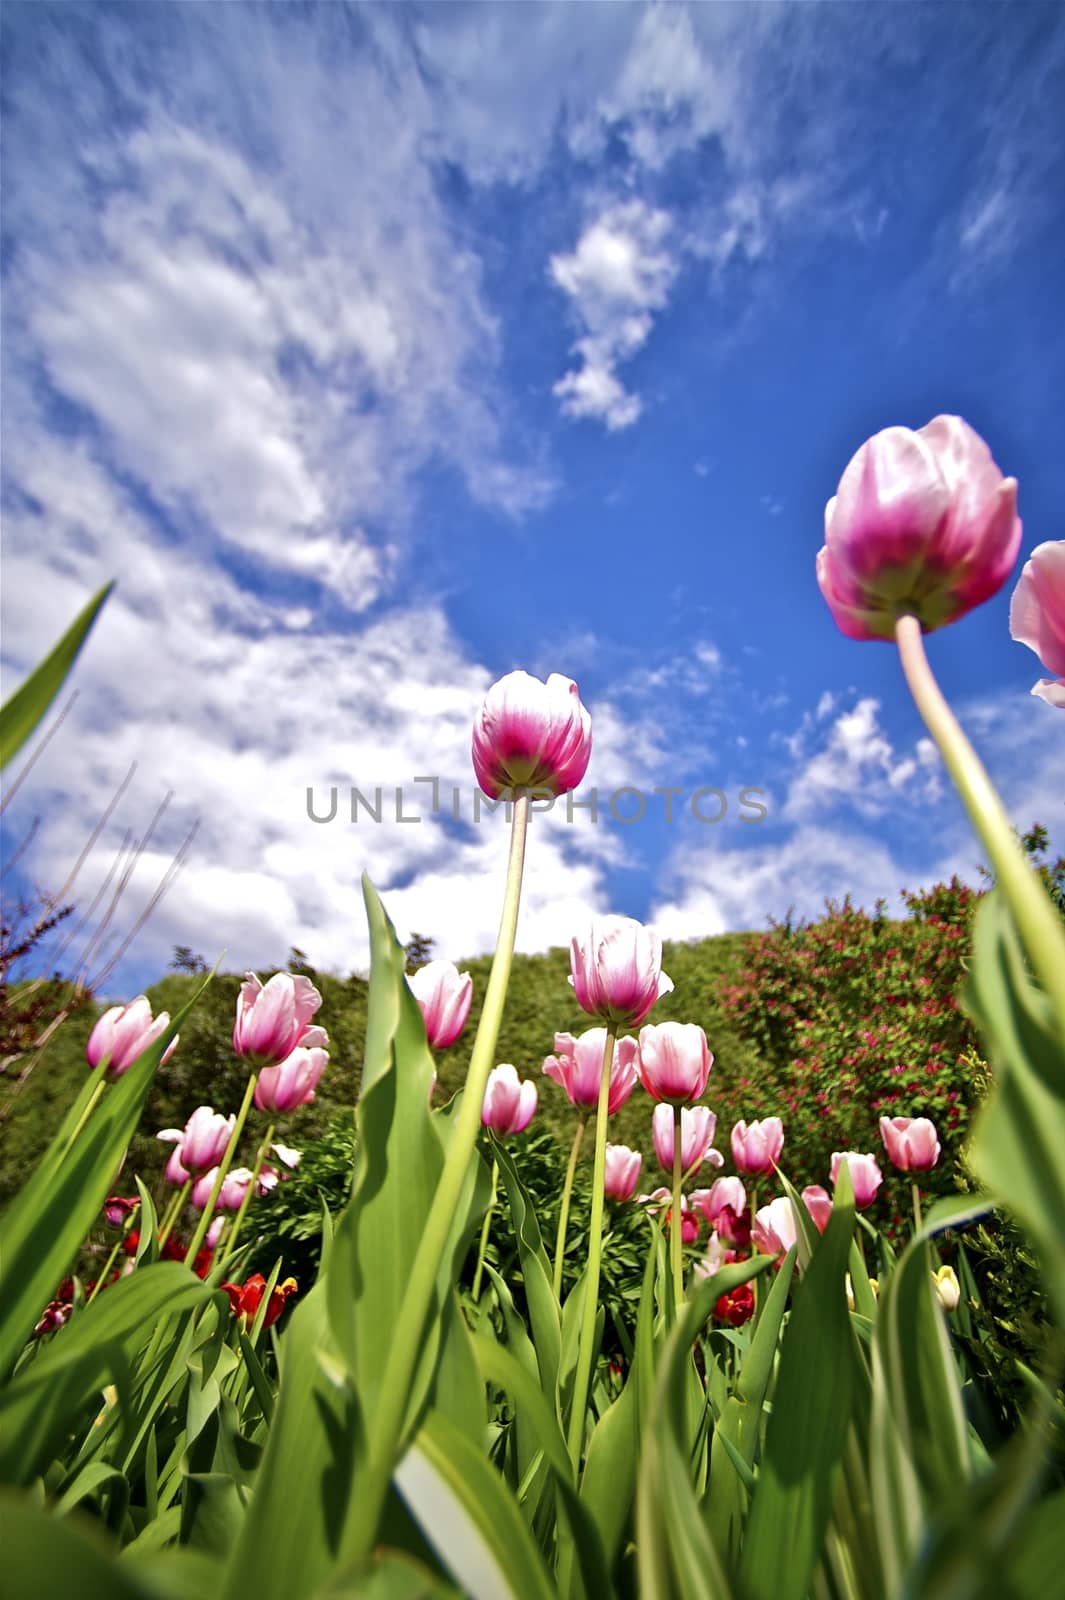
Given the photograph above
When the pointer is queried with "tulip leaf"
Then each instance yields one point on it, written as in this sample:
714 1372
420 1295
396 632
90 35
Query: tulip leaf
23 711
807 1430
41 1553
536 1274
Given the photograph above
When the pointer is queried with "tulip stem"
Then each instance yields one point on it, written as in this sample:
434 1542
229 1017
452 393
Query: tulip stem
1037 921
173 1211
223 1167
260 1156
109 1263
485 1229
87 1113
676 1226
408 1341
595 1253
567 1193
915 1191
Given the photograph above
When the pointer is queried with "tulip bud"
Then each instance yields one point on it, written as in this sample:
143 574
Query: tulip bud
674 1061
818 1204
697 1128
292 1082
725 1194
531 735
509 1104
948 1289
911 1142
756 1146
774 1230
578 1066
736 1307
617 971
123 1034
443 995
273 1018
230 1196
659 1202
866 1176
922 523
202 1142
622 1172
1037 615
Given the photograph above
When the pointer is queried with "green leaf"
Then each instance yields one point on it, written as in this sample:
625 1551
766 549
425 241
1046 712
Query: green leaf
45 1555
608 1482
469 1516
808 1427
1019 1134
536 1275
21 713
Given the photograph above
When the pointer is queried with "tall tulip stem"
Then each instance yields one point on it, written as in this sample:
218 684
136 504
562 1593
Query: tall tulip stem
1037 921
408 1341
173 1211
238 1220
595 1256
485 1230
223 1167
916 1193
676 1224
567 1194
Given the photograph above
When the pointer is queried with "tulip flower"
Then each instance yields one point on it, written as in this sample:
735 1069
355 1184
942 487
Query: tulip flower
717 1256
202 1142
214 1233
268 1180
273 1018
866 1176
736 1307
175 1173
818 1203
948 1289
124 1033
674 1062
117 1208
697 1127
578 1066
230 1196
725 1194
509 1104
1037 615
286 1155
689 1222
617 971
292 1082
756 1146
774 1230
622 1172
923 523
531 735
443 995
911 1142
246 1298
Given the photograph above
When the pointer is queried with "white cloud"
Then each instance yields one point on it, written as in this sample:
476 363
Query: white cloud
852 767
618 275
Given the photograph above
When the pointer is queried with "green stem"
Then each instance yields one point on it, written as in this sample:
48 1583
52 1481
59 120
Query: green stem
87 1113
238 1220
173 1211
409 1333
1037 921
479 1273
234 1138
916 1204
676 1226
102 1279
563 1215
595 1253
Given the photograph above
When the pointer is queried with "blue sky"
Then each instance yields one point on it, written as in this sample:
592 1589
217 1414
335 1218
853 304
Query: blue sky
379 350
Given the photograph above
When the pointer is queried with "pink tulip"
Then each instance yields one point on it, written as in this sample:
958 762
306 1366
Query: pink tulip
175 1172
725 1199
214 1232
273 1018
756 1146
660 1201
774 1230
234 1188
912 1143
674 1061
292 1082
578 1066
717 1256
819 1204
1037 615
117 1208
622 1172
286 1155
268 1180
202 1142
697 1127
617 971
866 1176
531 735
124 1033
509 1103
444 995
922 522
